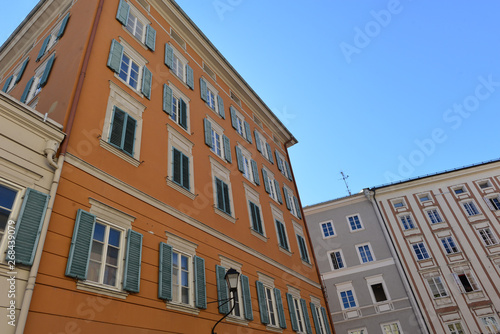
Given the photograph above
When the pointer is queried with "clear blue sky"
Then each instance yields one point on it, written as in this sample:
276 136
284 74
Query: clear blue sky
382 90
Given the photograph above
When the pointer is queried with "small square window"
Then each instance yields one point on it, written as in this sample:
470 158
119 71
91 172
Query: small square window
484 184
398 204
424 198
459 190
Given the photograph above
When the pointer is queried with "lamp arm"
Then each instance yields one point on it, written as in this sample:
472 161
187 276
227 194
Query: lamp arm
228 313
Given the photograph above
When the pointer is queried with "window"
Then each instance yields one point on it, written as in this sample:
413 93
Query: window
337 260
222 192
378 292
407 222
223 200
347 299
283 165
122 131
434 216
327 229
424 198
354 223
180 168
490 324
216 140
365 253
247 165
7 199
470 208
181 272
487 236
38 81
303 248
270 302
212 98
271 306
420 251
11 81
136 24
319 316
179 66
392 328
298 315
449 245
484 184
292 203
493 203
240 125
466 281
263 146
255 218
437 287
271 186
455 328
398 204
129 71
459 190
358 331
53 37
242 301
282 236
176 105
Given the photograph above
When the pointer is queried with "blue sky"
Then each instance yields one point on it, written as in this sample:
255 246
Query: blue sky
382 90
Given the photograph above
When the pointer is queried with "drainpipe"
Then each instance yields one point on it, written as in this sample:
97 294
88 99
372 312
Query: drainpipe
370 195
323 289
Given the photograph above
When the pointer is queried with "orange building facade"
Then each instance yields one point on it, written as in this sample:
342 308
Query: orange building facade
172 172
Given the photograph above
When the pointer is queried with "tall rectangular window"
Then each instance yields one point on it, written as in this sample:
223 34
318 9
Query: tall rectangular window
298 313
434 216
407 222
129 71
437 287
181 169
135 26
487 236
178 67
365 253
495 203
105 254
181 278
466 281
354 223
271 306
392 328
327 229
7 198
348 300
282 239
470 208
455 328
449 245
420 251
491 325
256 220
303 248
223 202
122 134
337 260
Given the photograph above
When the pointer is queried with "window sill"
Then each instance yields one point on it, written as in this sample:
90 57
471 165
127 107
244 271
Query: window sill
306 263
224 215
286 251
237 320
183 82
274 329
119 153
258 235
101 289
212 110
180 189
182 308
475 217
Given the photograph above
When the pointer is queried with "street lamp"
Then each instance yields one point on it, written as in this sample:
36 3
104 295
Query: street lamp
232 278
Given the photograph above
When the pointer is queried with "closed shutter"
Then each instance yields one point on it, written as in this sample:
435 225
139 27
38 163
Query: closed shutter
123 12
227 204
169 56
278 160
269 153
27 90
167 99
257 141
44 47
297 207
150 37
185 172
200 283
248 132
64 22
222 290
239 159
233 117
255 171
79 252
220 193
291 310
247 298
116 134
132 272
147 80
165 268
220 103
183 114
177 166
208 132
47 70
203 90
315 318
21 71
266 181
227 148
279 307
287 199
129 139
115 56
29 226
261 296
325 321
278 191
7 84
189 77
307 322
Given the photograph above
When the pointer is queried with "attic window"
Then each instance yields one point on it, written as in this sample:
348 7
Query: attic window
257 121
144 4
178 39
235 99
277 141
484 184
459 190
209 71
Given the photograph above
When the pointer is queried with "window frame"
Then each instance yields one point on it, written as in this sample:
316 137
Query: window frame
177 141
219 172
421 245
407 222
437 289
487 321
35 88
455 330
375 280
305 255
332 228
398 325
139 18
370 250
432 218
470 208
492 238
13 215
279 236
449 245
341 255
349 223
178 95
471 280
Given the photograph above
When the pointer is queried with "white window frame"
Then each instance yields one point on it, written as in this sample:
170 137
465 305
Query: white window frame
35 88
459 190
273 192
451 243
295 293
422 246
359 253
179 63
399 330
329 222
319 314
471 279
246 157
139 18
222 173
470 208
398 203
335 252
212 90
138 59
253 196
436 284
293 209
268 284
487 323
491 203
411 223
177 94
12 83
14 213
358 331
359 220
263 145
484 184
240 123
454 329
487 236
283 162
344 287
425 197
178 141
435 213
377 279
219 131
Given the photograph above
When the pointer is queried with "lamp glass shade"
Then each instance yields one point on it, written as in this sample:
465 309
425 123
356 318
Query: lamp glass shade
232 276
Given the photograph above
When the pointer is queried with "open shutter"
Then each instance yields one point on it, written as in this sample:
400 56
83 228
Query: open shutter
269 153
64 22
307 322
44 47
266 181
291 310
279 307
222 290
147 80
123 12
46 72
169 56
287 200
167 99
189 77
27 90
21 71
248 132
200 283
297 207
7 84
227 204
257 141
288 170
115 56
132 272
247 298
255 171
203 90
208 132
129 139
227 148
261 296
459 283
165 275
239 159
278 160
183 114
315 318
79 252
220 103
115 137
488 202
325 321
176 166
185 172
278 192
29 226
150 37
233 117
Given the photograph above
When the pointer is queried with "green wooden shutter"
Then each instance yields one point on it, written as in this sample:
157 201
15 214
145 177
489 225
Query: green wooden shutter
189 77
47 70
233 117
64 22
227 204
291 310
7 83
208 132
303 248
165 274
176 166
129 135
203 90
222 290
220 108
185 172
115 56
278 191
167 99
169 56
247 298
325 321
132 272
123 12
307 322
44 47
147 80
265 179
278 160
183 114
315 318
269 153
287 200
29 226
21 71
261 296
227 148
200 290
79 252
220 193
279 307
255 171
257 141
297 207
239 159
116 133
27 90
248 132
150 37
288 170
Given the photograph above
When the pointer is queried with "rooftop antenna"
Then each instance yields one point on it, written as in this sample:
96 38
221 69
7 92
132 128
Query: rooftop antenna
344 177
